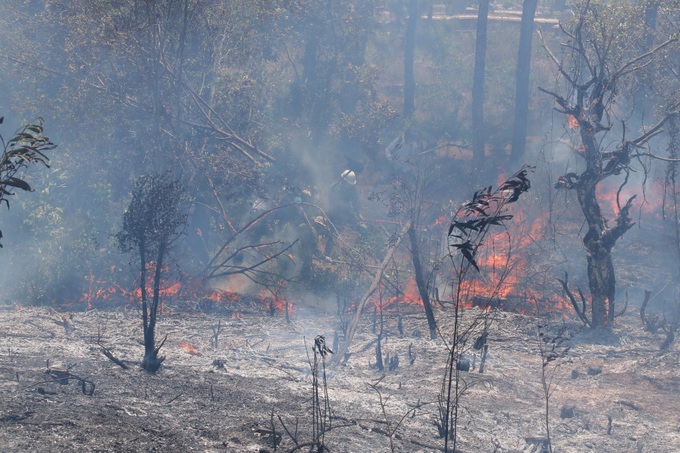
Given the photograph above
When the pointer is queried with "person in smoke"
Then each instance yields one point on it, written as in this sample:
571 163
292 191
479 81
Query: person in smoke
312 233
344 207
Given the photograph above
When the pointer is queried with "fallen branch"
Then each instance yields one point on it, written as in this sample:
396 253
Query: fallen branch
113 358
374 285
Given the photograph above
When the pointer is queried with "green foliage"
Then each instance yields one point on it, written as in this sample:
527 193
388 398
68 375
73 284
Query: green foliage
28 146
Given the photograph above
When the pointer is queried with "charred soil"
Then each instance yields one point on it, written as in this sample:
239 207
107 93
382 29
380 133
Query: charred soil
612 393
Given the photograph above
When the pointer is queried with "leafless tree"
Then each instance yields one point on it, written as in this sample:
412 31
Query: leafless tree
593 67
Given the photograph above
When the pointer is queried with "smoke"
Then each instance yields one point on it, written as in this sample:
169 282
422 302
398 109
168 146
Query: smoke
316 105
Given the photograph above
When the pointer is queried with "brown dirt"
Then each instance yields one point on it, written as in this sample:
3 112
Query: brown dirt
194 405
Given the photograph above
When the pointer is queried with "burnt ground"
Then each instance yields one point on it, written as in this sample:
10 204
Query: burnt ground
609 394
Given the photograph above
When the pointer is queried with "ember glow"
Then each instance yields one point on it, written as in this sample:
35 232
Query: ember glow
188 348
572 122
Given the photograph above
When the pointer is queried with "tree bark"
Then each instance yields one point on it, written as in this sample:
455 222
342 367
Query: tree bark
519 131
478 87
599 239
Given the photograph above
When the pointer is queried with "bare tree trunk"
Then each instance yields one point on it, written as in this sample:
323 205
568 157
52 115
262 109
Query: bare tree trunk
651 13
151 361
673 148
478 87
519 131
142 287
421 283
599 240
409 56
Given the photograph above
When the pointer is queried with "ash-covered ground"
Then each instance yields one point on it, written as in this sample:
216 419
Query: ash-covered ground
613 393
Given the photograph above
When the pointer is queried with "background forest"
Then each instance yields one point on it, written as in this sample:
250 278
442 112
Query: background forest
259 106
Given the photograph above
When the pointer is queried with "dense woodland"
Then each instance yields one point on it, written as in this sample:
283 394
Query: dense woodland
261 109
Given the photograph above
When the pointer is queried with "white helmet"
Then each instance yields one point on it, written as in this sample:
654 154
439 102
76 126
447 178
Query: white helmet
349 176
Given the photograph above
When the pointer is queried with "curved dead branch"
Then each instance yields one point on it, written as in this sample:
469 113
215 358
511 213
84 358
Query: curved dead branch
580 311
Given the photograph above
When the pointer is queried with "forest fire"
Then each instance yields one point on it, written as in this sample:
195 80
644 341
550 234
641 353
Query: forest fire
508 276
506 279
190 349
298 171
409 296
273 301
650 201
103 293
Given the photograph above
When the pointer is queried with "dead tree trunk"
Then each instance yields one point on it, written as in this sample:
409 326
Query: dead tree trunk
478 132
592 78
599 241
151 361
421 283
522 81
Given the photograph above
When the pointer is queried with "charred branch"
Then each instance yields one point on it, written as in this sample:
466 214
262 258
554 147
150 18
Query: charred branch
669 329
362 303
110 355
623 223
624 308
225 268
221 263
654 323
650 323
63 376
579 310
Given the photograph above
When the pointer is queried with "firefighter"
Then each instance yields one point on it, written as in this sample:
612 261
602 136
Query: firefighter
344 208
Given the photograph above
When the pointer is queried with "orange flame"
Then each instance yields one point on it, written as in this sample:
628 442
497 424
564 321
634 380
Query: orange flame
188 348
276 301
410 296
651 204
572 122
503 280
